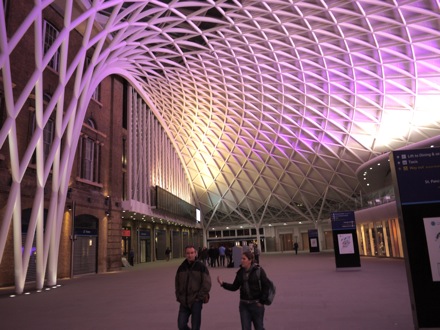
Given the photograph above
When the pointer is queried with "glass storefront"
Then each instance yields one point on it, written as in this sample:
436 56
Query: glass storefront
380 239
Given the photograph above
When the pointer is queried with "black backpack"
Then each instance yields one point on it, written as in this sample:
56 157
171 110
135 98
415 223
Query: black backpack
272 288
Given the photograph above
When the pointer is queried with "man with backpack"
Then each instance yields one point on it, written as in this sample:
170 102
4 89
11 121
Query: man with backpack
256 290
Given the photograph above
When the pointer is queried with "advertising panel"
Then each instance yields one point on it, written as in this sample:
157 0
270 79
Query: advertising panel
345 240
313 240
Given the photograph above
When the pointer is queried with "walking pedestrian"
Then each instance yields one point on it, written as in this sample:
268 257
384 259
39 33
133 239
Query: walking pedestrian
192 286
295 247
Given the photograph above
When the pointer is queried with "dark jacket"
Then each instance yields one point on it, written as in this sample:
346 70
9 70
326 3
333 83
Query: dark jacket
254 292
192 282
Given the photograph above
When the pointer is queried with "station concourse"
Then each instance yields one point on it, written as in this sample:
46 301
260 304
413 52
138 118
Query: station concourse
132 128
311 295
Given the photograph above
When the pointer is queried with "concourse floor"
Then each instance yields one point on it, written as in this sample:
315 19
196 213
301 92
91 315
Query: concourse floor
311 294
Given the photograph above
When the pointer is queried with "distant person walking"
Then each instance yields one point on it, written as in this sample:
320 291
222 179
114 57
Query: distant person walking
257 254
222 254
167 253
212 253
253 292
203 257
295 247
192 286
229 257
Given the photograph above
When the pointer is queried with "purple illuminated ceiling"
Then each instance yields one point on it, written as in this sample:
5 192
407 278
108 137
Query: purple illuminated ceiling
272 105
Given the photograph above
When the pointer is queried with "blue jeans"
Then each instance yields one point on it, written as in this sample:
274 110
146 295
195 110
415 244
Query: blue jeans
251 313
195 311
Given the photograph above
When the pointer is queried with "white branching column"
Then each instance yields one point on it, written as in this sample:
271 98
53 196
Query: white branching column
56 161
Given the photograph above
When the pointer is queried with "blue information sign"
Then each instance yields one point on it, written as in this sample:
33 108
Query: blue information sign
343 220
418 175
345 240
86 232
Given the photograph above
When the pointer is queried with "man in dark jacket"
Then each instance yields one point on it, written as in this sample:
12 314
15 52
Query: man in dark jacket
193 284
254 291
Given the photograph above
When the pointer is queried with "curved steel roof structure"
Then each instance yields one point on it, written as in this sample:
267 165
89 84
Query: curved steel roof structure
272 104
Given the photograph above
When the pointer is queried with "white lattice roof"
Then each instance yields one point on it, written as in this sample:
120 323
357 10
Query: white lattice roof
273 105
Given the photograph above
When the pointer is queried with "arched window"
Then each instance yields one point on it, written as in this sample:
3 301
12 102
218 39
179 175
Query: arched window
48 131
48 134
50 35
89 152
97 92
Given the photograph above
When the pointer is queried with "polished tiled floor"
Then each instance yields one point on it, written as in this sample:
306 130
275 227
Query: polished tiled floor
311 294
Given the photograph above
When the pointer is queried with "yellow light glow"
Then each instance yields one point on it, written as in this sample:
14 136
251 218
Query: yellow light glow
426 110
394 125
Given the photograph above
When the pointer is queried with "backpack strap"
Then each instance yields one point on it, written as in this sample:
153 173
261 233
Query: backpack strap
258 272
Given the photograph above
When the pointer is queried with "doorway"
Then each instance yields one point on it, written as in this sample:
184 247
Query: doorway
286 242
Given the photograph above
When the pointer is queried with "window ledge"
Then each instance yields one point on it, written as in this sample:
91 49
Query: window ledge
97 102
96 184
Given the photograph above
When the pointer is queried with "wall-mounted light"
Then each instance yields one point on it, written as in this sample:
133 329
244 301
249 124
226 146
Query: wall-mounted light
107 200
107 213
